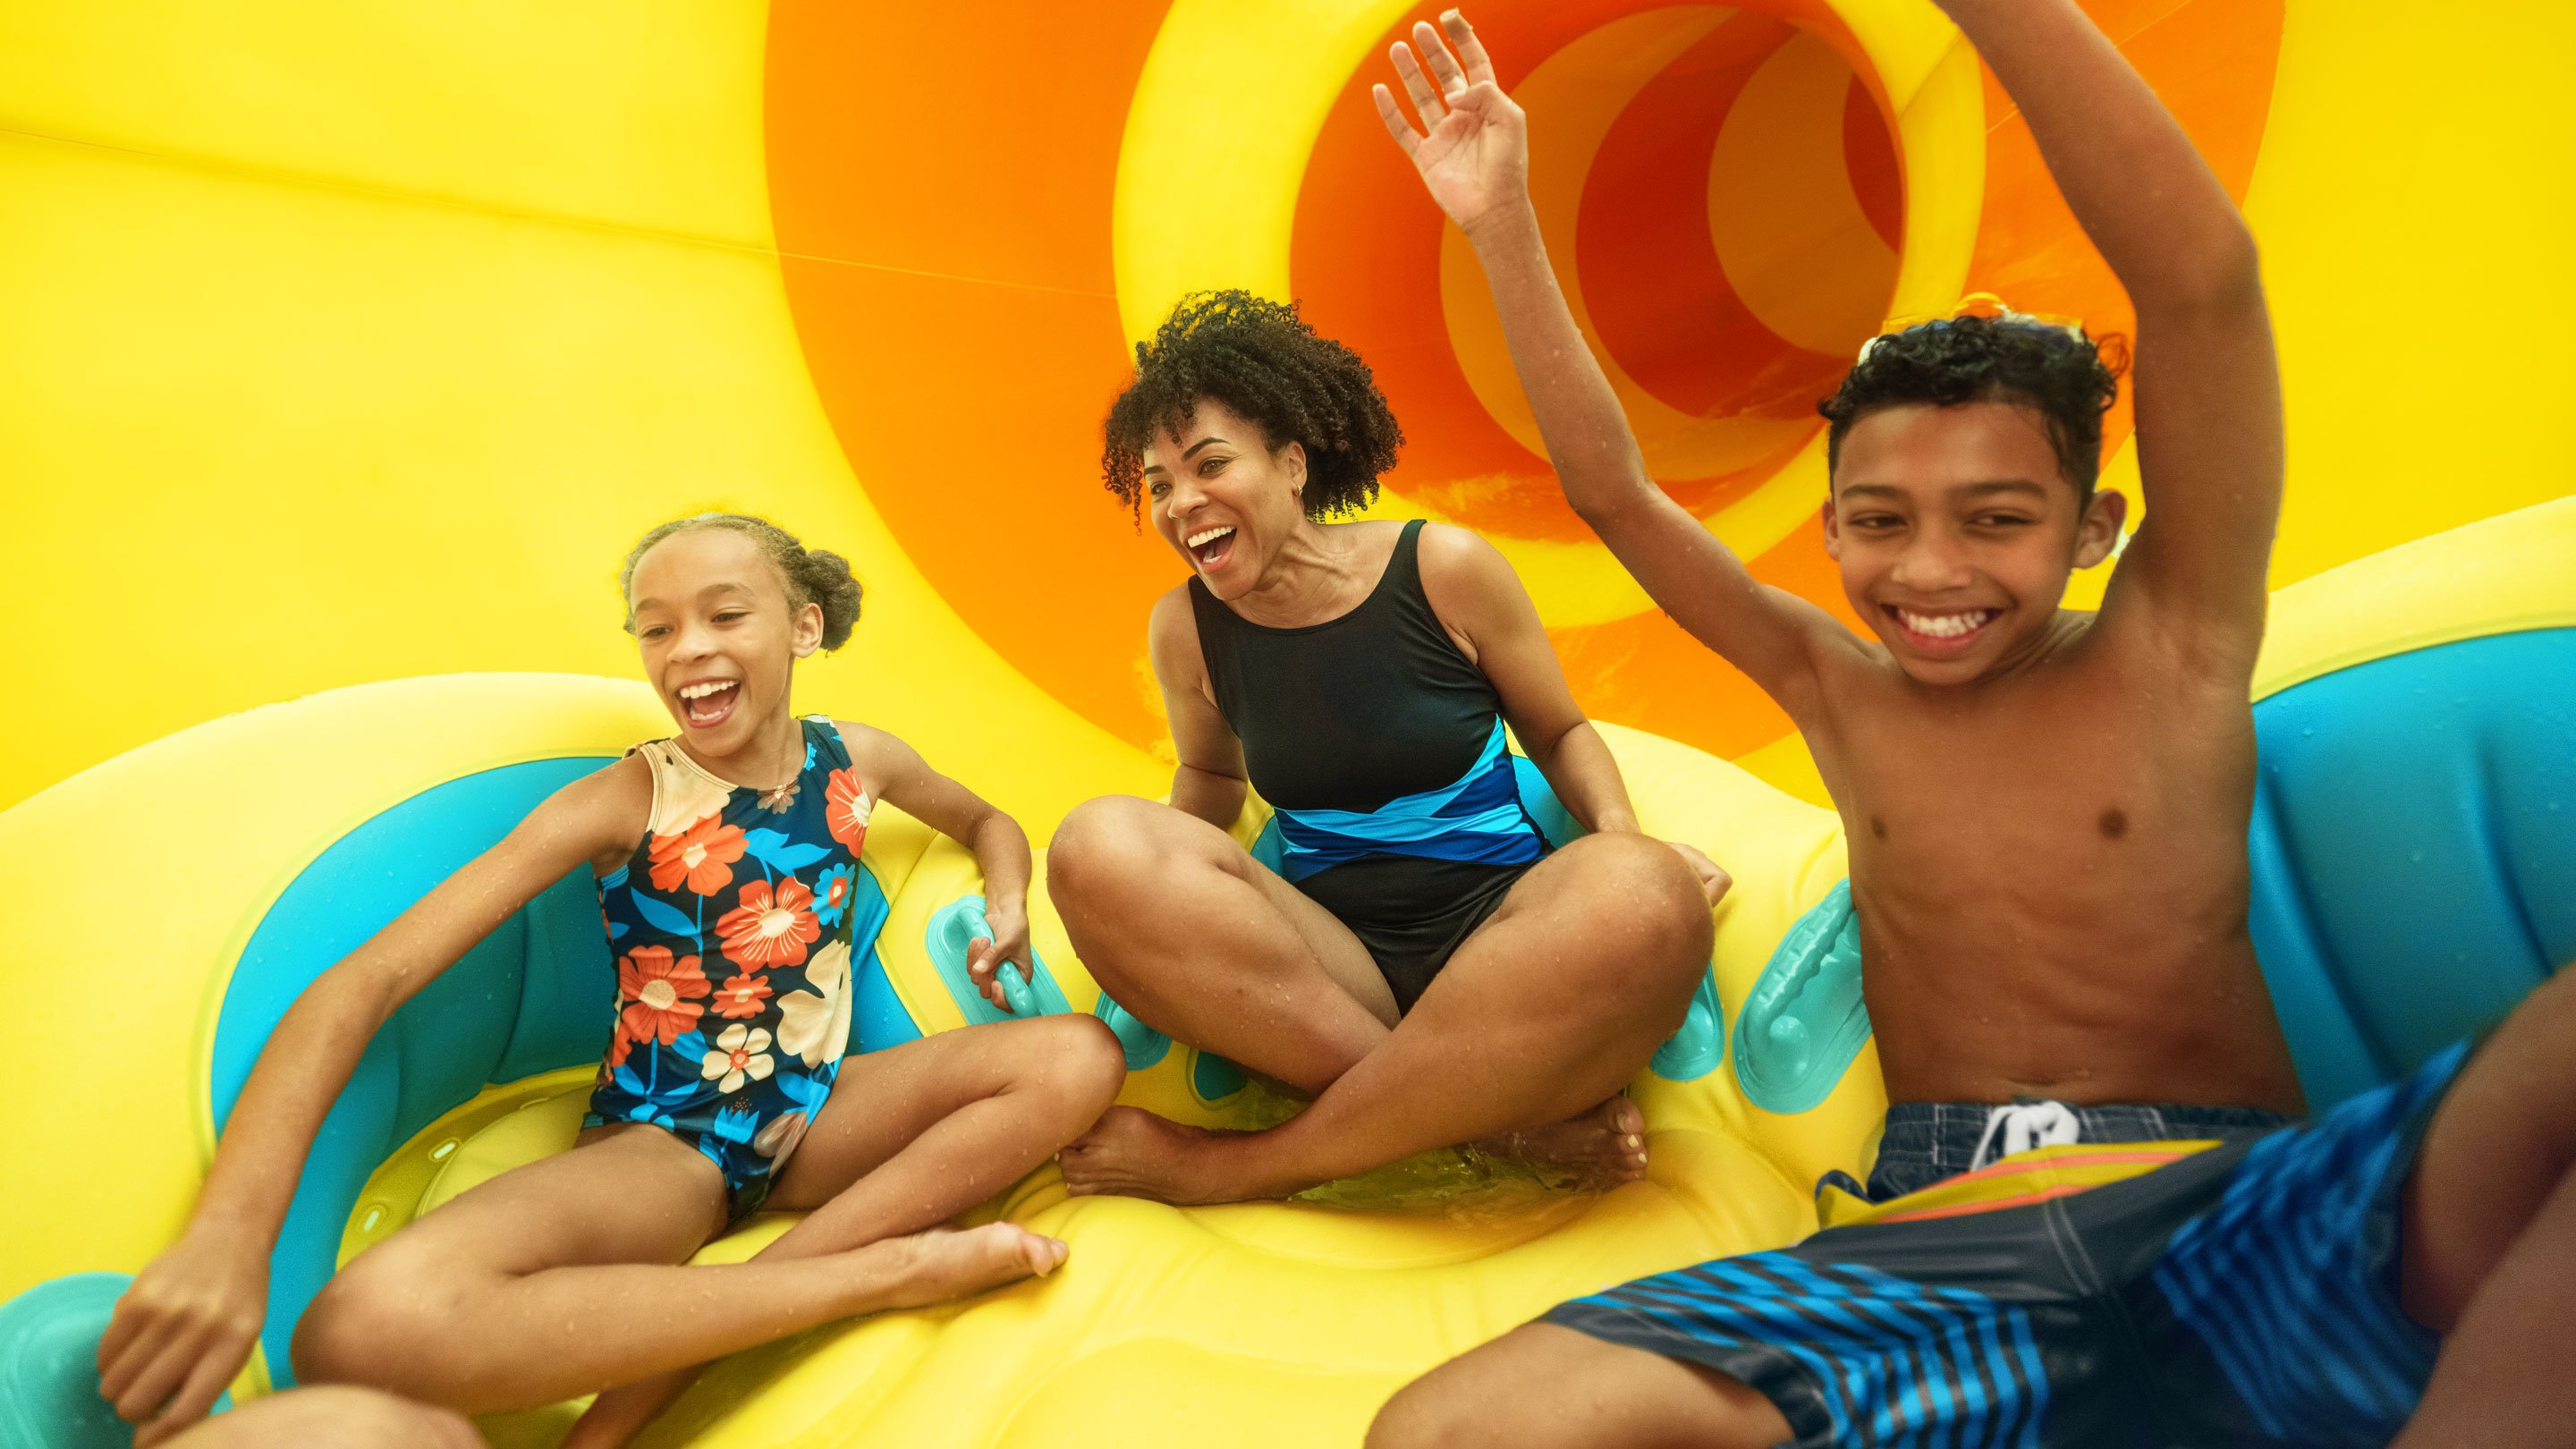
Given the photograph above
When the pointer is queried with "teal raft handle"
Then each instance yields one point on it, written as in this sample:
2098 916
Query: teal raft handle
1804 1020
1696 1049
953 929
1144 1045
1016 992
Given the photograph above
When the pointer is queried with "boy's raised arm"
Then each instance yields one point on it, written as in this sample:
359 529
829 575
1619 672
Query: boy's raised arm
1475 162
2207 383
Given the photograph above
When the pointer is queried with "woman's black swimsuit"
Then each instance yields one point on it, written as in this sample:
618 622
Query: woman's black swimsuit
1381 747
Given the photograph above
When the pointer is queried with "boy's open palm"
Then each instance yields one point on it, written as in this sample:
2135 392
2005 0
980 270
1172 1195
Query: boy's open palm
1475 157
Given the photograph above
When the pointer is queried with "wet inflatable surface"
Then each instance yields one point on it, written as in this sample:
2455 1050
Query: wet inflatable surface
352 345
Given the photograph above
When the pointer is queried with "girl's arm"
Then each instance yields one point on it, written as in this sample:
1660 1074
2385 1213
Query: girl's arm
185 1327
898 775
1475 593
1210 780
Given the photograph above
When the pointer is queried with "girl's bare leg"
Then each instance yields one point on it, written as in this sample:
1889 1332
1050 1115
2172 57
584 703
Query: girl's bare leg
911 1137
2490 1237
1539 1020
1185 929
563 1277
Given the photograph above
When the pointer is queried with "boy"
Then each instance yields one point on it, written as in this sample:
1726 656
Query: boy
2047 814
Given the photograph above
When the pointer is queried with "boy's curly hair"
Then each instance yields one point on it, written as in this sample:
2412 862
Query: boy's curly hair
2067 376
1261 360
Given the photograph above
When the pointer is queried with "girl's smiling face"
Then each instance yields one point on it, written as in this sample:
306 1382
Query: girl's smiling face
720 639
1222 498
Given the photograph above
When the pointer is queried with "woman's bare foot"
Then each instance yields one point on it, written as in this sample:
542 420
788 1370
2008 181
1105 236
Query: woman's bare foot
1602 1148
1133 1153
944 1263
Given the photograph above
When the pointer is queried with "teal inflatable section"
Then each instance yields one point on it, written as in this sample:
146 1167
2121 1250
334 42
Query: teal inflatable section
1804 1021
49 1397
2414 850
535 996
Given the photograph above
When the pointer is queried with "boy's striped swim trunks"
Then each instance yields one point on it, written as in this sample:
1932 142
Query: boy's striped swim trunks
2094 1294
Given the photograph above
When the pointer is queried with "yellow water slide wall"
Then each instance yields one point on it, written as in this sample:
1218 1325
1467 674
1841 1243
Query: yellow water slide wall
352 341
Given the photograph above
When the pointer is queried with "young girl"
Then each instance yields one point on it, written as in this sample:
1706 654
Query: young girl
723 858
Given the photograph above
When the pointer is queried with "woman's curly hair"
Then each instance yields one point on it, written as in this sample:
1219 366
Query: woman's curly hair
2070 378
1261 360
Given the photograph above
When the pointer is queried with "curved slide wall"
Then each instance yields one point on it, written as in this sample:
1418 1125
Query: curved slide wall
353 342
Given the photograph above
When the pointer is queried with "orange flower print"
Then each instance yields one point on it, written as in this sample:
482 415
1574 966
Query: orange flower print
742 995
703 855
661 995
845 809
767 930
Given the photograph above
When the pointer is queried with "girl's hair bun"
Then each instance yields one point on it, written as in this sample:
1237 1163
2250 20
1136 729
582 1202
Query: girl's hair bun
829 582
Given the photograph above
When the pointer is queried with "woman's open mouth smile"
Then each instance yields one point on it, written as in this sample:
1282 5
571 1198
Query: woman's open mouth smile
1209 548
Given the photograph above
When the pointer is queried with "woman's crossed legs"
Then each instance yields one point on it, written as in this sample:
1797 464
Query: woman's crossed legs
567 1275
1530 1031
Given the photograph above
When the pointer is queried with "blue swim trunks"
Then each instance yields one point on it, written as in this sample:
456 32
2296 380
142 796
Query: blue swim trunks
2240 1292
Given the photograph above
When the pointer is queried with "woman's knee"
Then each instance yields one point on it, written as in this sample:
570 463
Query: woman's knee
1106 849
1646 891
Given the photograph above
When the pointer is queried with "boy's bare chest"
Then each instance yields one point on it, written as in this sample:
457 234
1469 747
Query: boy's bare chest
2035 788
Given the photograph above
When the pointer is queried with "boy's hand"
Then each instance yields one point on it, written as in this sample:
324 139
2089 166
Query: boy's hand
1475 159
181 1333
1009 943
1713 879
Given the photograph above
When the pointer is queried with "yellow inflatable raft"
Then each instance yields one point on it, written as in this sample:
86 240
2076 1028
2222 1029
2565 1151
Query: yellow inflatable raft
299 828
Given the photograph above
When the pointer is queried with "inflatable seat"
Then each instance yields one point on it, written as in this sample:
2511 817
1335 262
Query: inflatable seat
2412 839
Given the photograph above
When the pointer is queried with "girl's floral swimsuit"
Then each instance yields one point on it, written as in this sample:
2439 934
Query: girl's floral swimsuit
731 927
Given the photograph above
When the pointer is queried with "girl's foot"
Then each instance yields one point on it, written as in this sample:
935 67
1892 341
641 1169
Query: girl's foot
945 1263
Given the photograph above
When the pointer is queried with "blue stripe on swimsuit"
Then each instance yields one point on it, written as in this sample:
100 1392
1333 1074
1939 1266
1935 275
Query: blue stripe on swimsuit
1476 819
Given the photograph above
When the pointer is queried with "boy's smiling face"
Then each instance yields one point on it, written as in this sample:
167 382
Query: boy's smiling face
1956 531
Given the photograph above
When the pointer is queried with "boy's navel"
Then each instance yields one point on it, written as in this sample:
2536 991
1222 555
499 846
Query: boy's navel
2114 823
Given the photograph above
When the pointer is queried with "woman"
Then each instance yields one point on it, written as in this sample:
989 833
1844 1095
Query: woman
1423 964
